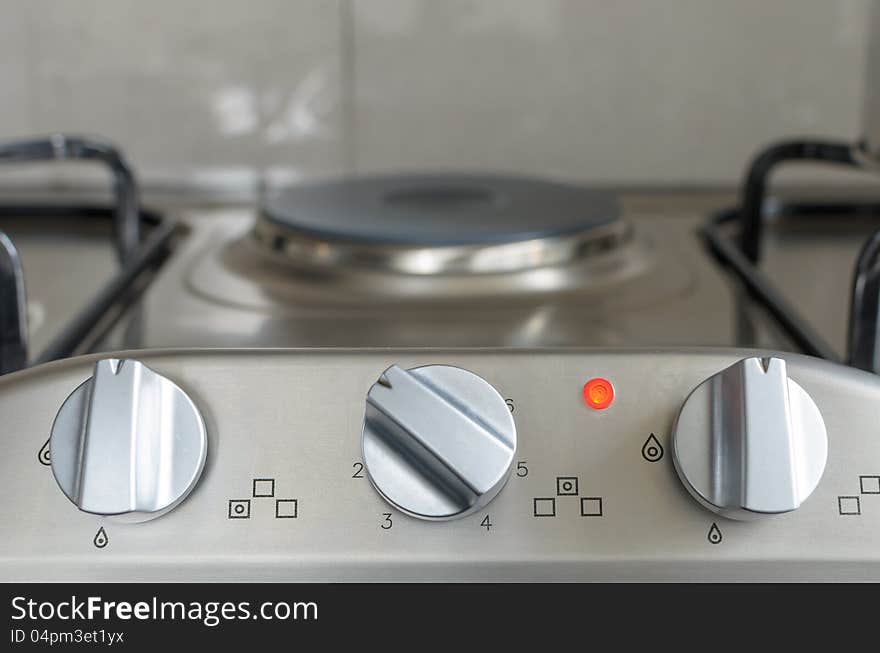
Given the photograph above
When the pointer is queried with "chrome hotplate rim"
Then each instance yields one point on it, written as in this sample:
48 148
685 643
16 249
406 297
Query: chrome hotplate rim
306 250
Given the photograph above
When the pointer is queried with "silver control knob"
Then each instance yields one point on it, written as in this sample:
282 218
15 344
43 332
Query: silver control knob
438 441
749 442
128 443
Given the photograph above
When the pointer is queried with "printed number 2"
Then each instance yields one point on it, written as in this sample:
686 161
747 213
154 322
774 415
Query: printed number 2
387 523
358 468
486 523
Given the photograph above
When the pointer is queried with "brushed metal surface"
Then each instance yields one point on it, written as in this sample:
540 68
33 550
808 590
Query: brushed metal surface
127 443
294 417
213 293
438 441
749 442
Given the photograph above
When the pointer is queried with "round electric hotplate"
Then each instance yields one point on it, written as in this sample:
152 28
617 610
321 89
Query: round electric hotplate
439 224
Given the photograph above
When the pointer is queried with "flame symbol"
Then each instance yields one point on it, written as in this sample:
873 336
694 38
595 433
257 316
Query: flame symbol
714 534
652 450
43 455
101 538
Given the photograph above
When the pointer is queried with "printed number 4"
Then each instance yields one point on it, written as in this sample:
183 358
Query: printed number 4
486 523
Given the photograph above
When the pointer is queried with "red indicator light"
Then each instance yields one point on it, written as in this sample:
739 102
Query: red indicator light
598 393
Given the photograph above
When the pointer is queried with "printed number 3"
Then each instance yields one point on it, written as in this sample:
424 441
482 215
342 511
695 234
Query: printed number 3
387 523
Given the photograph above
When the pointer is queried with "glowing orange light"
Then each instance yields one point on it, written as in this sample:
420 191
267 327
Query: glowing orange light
598 393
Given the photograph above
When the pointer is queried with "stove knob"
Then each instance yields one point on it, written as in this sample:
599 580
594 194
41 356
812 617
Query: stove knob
438 441
127 443
749 442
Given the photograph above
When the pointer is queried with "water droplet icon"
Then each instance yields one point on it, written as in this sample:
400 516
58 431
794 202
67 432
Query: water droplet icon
101 540
652 450
43 455
714 534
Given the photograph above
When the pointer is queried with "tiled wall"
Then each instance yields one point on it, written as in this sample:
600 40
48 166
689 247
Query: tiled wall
628 92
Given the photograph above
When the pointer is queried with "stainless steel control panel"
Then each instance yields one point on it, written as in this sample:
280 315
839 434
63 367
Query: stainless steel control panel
397 465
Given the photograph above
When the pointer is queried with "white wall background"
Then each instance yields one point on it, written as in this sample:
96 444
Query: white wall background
625 92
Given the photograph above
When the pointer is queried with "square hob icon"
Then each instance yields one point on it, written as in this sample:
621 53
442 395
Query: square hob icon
285 508
264 488
869 484
591 507
850 505
239 509
544 507
566 486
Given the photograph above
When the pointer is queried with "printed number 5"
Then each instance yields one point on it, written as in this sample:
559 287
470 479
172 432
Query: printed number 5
387 523
521 469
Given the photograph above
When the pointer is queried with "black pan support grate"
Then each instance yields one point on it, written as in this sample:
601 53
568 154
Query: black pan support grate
742 255
137 253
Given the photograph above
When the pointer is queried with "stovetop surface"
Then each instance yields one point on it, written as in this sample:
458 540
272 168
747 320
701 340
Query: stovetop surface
214 292
679 298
